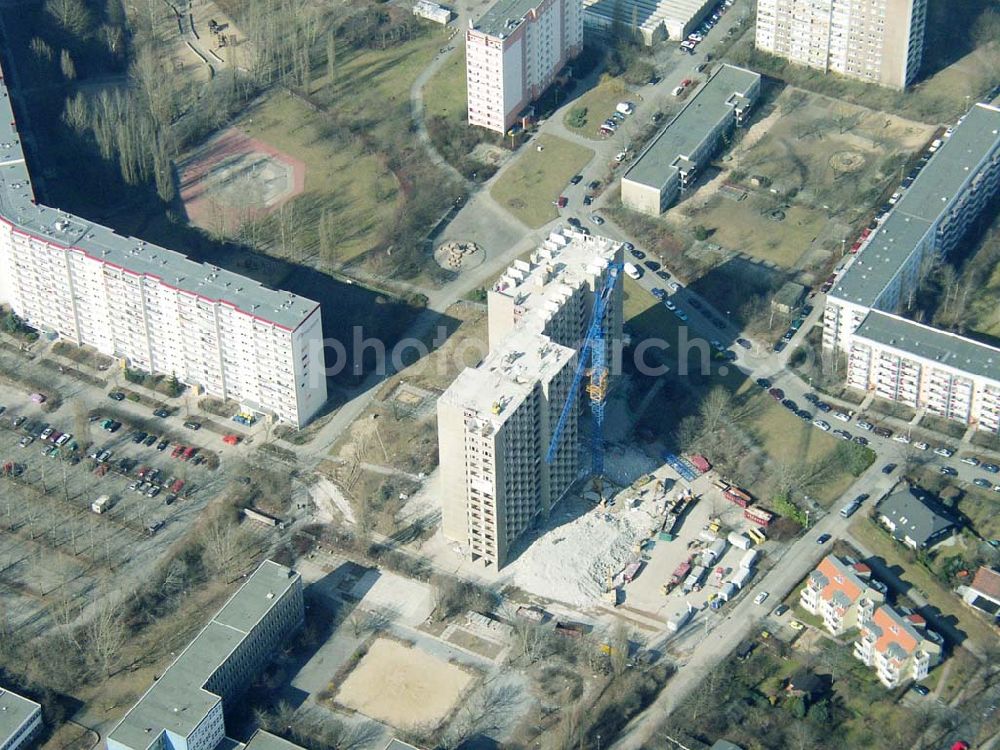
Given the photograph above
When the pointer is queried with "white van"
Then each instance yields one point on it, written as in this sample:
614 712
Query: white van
634 271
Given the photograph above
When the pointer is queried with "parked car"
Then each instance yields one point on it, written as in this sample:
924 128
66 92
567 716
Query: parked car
944 451
576 179
763 382
776 393
860 440
884 432
970 460
823 539
949 471
921 689
980 482
116 396
638 254
825 426
761 597
888 468
191 425
842 434
744 343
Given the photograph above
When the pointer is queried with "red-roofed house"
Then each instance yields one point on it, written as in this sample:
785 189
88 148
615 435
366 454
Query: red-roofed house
984 592
842 593
898 646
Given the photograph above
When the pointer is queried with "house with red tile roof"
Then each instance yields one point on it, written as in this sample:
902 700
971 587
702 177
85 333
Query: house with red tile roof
984 592
842 592
898 645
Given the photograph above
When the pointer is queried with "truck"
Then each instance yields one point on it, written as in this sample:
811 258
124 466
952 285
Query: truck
694 579
624 107
728 591
756 534
101 504
679 617
758 516
739 540
741 577
632 570
700 463
680 572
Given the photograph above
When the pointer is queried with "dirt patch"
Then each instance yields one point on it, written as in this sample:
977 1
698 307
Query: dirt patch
233 178
402 686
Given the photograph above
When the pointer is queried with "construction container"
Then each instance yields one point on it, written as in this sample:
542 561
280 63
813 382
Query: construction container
749 559
739 541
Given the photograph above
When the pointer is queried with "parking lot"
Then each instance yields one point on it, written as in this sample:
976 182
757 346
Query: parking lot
53 545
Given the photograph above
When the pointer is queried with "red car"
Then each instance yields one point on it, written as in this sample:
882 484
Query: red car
188 453
177 451
960 745
563 200
777 394
686 82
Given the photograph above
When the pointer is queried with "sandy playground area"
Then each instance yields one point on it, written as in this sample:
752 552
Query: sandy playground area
403 686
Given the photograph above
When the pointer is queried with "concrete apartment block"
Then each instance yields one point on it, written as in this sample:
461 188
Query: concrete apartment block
20 721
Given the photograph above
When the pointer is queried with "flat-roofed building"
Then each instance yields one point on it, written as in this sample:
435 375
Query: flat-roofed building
20 721
496 421
679 152
651 20
514 52
153 308
949 375
877 42
185 708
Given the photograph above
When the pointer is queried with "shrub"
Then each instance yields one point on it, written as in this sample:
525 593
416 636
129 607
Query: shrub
577 117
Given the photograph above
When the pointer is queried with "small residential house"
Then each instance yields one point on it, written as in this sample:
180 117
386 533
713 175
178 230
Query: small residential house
984 592
916 517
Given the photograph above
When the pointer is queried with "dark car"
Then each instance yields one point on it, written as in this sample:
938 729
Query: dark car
638 254
888 468
921 690
193 425
812 398
861 440
718 323
824 407
763 382
652 265
807 311
823 539
780 610
949 471
695 303
162 445
116 396
663 274
883 432
594 184
776 393
789 404
843 434
991 468
588 199
980 482
573 221
151 440
803 414
161 413
138 437
576 179
780 346
744 343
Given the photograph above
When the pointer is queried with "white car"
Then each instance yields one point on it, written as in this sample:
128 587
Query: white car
632 270
971 461
760 598
825 426
902 438
842 416
678 90
596 219
669 305
674 286
64 438
46 432
945 452
866 425
921 446
695 37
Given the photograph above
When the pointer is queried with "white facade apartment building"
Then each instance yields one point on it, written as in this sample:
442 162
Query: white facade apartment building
895 358
185 708
842 593
514 52
154 308
495 421
878 41
898 646
20 721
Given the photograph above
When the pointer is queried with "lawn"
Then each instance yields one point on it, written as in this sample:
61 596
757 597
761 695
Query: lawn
353 186
946 601
446 93
600 103
529 188
745 226
985 311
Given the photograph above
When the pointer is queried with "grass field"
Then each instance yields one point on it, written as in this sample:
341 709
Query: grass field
355 187
600 103
986 313
920 578
446 93
530 185
782 436
745 226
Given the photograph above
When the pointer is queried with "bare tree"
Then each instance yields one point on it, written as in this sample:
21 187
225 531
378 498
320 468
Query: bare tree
106 633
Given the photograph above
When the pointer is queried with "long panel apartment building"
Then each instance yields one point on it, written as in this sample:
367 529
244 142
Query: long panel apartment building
514 52
496 421
20 721
153 308
676 156
951 376
877 41
185 707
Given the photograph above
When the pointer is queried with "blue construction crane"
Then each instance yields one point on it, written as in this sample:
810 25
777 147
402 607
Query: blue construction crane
592 353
